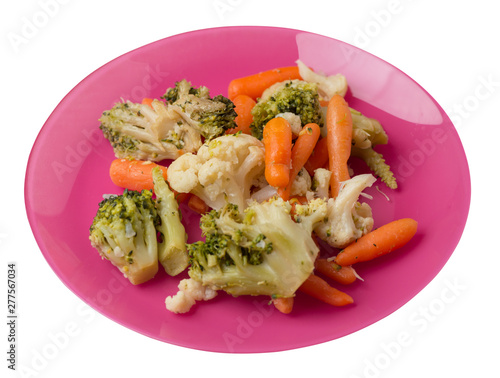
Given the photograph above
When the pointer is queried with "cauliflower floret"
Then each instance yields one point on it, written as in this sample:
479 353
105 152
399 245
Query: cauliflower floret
347 219
302 183
189 292
223 170
327 85
321 183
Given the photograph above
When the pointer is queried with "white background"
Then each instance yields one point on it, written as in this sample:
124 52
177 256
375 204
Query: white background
449 47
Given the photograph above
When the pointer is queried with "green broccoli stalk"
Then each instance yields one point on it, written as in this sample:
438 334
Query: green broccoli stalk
376 162
260 252
211 117
172 251
294 96
124 232
367 133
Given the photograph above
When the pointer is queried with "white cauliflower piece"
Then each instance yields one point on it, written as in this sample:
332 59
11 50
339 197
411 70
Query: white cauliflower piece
321 183
347 219
327 85
302 183
223 170
190 291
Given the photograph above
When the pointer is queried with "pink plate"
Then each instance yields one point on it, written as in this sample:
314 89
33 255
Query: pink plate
67 175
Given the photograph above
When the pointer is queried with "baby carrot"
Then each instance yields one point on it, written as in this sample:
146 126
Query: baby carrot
341 274
243 106
320 289
147 101
378 242
277 139
318 158
196 204
302 149
134 174
284 305
339 135
254 85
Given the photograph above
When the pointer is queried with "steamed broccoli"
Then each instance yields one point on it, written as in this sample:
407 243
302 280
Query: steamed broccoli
367 133
292 96
124 232
126 227
261 251
172 251
143 132
209 116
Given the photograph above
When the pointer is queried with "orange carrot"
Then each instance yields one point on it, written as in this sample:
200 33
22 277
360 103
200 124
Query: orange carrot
196 204
339 128
254 85
341 274
302 149
320 289
284 305
378 242
134 174
181 197
319 156
277 139
243 106
147 101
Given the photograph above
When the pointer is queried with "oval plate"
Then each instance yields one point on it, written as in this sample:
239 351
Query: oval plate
71 158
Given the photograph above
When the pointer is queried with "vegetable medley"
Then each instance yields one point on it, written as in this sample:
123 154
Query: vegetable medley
268 170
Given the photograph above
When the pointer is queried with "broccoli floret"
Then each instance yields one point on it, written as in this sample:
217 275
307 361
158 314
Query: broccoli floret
211 117
261 251
183 88
124 232
172 251
293 96
367 133
143 132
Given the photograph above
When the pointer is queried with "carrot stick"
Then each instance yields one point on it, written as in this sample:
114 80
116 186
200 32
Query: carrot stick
254 85
302 149
243 106
284 305
339 135
147 101
378 242
318 158
134 174
341 274
320 289
277 139
196 204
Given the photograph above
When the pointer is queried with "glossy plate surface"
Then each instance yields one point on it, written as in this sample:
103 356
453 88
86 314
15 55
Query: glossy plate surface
71 158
